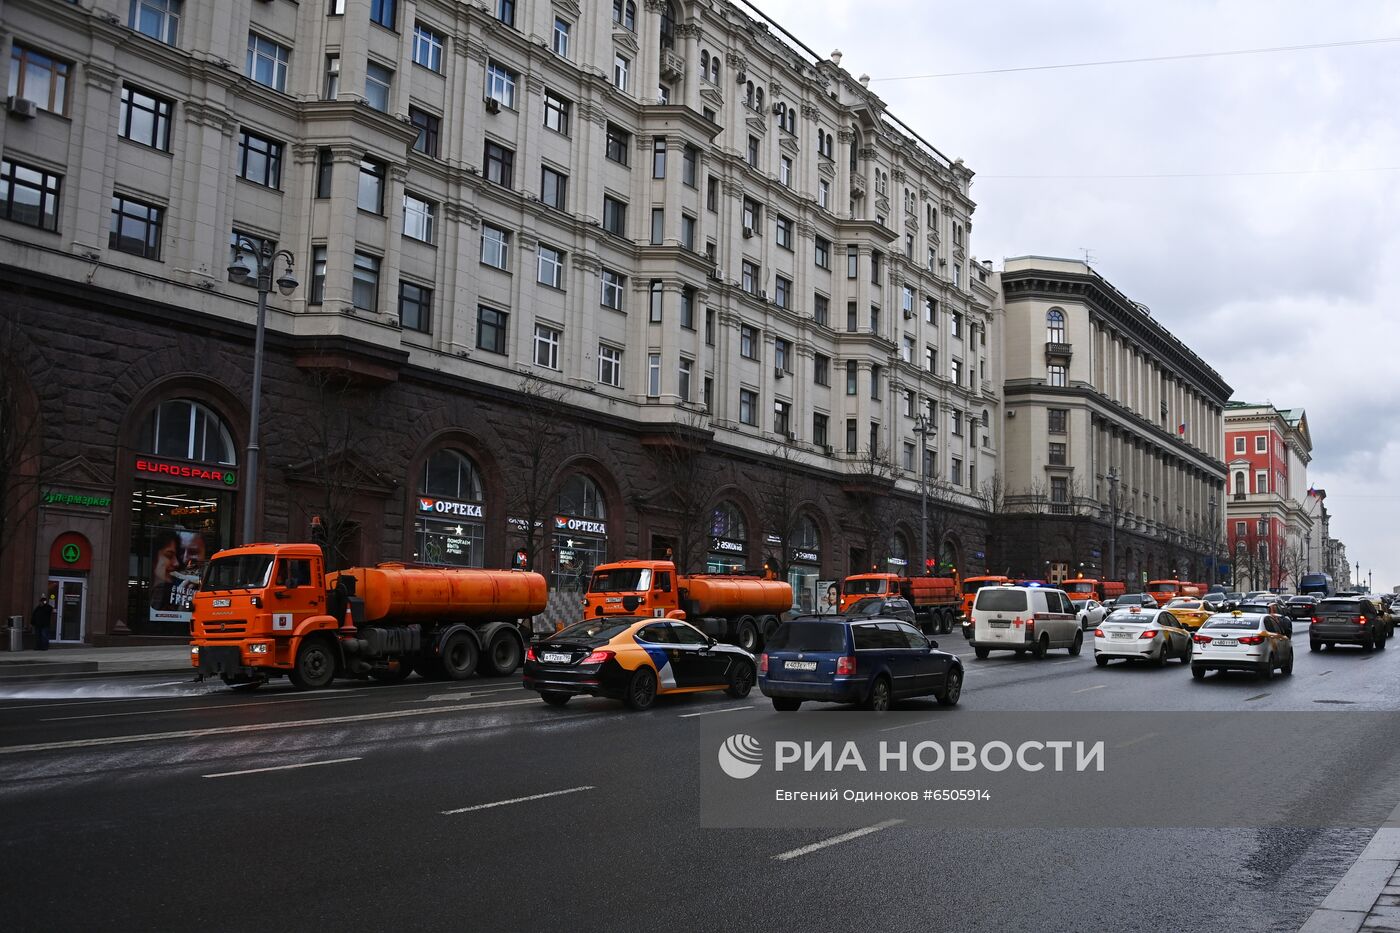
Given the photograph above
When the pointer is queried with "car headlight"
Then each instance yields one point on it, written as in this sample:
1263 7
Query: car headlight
259 648
194 651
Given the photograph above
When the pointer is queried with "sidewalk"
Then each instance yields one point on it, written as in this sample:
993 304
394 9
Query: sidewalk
1368 896
56 661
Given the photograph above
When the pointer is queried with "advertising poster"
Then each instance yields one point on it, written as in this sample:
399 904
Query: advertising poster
828 597
177 560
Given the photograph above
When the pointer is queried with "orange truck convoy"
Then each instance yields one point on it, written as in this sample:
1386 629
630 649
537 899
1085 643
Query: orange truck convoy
743 610
1081 589
1164 591
267 610
936 600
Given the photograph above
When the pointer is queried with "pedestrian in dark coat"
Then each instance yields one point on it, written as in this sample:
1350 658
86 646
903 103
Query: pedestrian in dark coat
42 620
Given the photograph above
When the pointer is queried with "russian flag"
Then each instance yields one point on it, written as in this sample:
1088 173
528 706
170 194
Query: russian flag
1181 429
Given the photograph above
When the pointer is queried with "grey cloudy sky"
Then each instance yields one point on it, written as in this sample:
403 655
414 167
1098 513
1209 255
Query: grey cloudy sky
1285 283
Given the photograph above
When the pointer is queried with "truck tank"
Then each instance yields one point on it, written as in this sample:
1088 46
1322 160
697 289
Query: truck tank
730 596
399 594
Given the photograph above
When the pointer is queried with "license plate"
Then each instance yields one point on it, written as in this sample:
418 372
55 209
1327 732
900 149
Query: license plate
1225 642
1000 624
801 665
1122 634
222 603
554 657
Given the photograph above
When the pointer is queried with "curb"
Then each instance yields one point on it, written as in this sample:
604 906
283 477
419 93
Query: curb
1371 879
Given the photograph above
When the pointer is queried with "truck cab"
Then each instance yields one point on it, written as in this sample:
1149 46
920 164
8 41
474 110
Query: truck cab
1081 589
860 585
633 588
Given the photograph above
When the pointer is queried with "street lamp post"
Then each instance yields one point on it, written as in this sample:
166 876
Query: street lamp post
922 428
1113 521
265 258
1214 542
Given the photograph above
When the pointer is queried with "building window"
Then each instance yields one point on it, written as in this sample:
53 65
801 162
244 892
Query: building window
955 371
709 327
658 158
906 350
821 369
785 171
619 144
378 80
624 13
495 246
852 436
614 216
1057 454
688 232
491 329
318 274
852 375
748 407
562 28
955 472
753 216
259 160
823 253
687 307
365 283
614 284
1261 481
690 160
546 346
782 355
874 319
1261 444
40 78
955 325
428 130
955 422
908 457
783 227
653 375
1056 376
371 192
748 342
267 62
930 359
159 19
551 267
749 277
553 187
712 193
415 307
852 262
500 164
500 85
1055 326
427 48
683 375
556 113
820 423
824 194
782 419
852 319
324 169
135 228
1058 420
621 67
609 366
145 118
332 87
505 12
658 226
782 291
418 217
821 310
383 13
1239 445
708 393
655 301
875 373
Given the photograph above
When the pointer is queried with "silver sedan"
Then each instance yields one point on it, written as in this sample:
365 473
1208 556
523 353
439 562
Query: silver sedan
1141 634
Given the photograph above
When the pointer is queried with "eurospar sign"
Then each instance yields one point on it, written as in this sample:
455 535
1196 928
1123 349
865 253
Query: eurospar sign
190 472
448 507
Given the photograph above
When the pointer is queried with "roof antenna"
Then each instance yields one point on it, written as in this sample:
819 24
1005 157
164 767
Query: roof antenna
1088 255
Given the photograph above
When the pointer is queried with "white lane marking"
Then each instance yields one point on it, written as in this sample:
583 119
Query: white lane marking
259 727
1141 738
1087 689
711 712
909 725
341 691
304 764
502 803
835 840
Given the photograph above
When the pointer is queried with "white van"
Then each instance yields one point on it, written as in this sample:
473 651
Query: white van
1024 618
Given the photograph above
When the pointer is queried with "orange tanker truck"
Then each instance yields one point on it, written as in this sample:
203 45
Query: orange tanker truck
265 610
742 610
936 600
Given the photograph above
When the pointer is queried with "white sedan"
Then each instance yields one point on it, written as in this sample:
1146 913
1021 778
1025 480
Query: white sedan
1242 641
1090 613
1140 633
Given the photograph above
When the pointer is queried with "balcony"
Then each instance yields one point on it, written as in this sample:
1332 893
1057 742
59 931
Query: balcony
672 65
857 185
1058 352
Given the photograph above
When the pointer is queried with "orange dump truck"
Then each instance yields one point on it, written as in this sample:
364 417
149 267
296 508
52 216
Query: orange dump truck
265 610
743 610
971 585
1080 589
1164 591
936 600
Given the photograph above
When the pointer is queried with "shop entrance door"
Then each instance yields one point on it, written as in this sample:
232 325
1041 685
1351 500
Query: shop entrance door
69 608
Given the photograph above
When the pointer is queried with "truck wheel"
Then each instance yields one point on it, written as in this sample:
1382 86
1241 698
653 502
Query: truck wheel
746 634
770 625
502 655
315 664
396 674
458 656
947 623
641 689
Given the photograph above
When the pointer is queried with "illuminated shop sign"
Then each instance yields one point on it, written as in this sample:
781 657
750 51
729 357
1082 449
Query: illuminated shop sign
585 525
220 476
448 507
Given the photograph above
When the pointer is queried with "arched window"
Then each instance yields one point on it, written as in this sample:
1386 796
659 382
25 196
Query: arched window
792 120
187 430
714 69
782 115
855 148
748 94
1241 487
705 64
986 419
728 522
899 554
580 497
668 23
807 537
451 474
625 14
1055 326
758 99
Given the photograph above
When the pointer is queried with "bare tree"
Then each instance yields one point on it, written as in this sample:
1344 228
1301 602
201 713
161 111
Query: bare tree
779 505
687 480
871 488
993 495
534 451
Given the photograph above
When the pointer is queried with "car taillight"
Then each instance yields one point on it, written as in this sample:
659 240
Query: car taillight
530 654
846 666
763 663
1201 639
1098 633
1150 633
1316 620
1360 620
1252 640
597 657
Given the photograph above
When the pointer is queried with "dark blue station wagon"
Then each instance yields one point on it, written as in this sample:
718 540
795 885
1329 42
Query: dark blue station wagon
867 661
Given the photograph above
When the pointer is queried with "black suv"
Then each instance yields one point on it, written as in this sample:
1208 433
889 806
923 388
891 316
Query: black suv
882 607
1347 621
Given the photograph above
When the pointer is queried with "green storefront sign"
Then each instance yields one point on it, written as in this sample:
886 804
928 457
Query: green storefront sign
54 497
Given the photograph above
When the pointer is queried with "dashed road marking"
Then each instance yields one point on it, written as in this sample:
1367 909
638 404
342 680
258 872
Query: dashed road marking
304 764
502 803
1087 689
711 712
834 840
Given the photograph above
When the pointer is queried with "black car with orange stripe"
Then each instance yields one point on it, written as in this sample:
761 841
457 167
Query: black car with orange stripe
635 660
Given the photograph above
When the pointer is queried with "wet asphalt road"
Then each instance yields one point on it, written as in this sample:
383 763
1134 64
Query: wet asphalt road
144 807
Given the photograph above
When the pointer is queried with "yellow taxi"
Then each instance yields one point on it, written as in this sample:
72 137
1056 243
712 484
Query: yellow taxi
1191 613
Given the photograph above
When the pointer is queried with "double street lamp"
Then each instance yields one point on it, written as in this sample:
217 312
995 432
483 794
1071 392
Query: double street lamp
241 271
923 427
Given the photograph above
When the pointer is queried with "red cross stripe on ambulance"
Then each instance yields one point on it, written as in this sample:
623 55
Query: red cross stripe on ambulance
1018 622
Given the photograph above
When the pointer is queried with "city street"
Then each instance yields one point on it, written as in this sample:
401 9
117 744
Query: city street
152 803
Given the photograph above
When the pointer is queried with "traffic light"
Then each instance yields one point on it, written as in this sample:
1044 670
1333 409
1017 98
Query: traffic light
929 564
